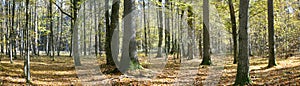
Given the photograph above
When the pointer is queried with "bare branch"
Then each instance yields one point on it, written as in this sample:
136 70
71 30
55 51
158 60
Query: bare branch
63 11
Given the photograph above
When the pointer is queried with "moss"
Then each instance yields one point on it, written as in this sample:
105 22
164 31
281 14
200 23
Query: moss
135 65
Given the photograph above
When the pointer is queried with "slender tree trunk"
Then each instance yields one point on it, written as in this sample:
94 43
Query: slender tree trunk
7 26
12 37
35 49
160 28
100 25
109 59
95 28
75 43
84 30
61 30
2 30
191 33
206 38
167 28
27 45
242 76
51 31
272 59
145 29
234 34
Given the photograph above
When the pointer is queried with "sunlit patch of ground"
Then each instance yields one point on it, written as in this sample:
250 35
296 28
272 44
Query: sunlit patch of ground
62 72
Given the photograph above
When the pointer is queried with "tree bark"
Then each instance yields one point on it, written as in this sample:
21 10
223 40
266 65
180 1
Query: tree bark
84 30
51 31
272 59
27 44
129 50
95 28
35 46
206 38
11 36
75 43
242 76
109 60
234 34
191 33
145 29
2 30
160 28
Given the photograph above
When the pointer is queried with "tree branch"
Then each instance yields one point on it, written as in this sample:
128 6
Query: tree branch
63 11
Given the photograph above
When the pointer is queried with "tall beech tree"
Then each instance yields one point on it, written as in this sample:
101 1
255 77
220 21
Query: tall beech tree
272 59
242 76
206 38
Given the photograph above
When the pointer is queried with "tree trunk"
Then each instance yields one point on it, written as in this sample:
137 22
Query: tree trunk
95 28
109 59
2 30
160 28
12 37
112 51
27 61
191 32
129 50
242 76
84 30
51 31
206 38
145 29
75 43
272 59
234 34
35 49
7 27
167 28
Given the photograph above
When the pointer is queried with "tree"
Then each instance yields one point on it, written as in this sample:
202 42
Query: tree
234 34
27 60
111 28
206 38
12 37
160 28
272 59
36 24
191 33
167 27
95 28
84 30
129 51
50 17
108 37
75 36
242 76
145 29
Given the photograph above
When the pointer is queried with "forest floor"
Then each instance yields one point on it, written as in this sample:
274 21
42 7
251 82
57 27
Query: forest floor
157 71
